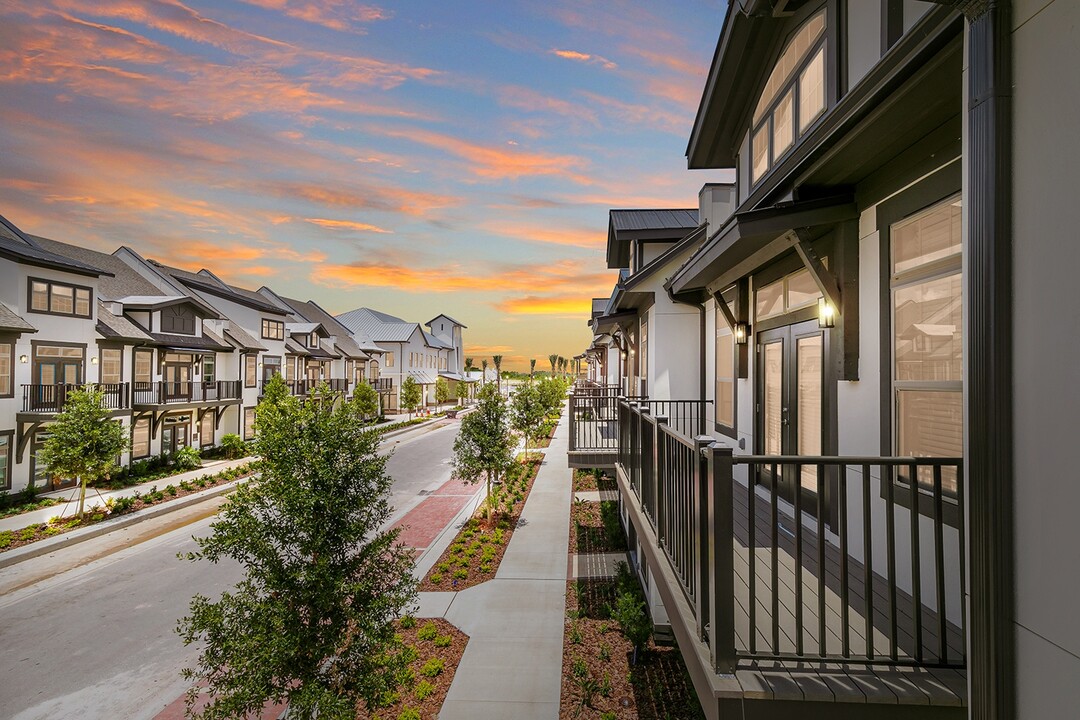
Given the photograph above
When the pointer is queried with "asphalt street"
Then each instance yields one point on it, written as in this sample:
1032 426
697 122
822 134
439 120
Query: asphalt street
98 640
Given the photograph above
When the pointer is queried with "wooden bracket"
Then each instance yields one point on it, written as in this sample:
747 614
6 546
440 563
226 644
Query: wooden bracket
824 279
25 433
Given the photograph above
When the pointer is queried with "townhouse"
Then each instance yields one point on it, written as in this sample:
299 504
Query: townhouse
857 497
411 351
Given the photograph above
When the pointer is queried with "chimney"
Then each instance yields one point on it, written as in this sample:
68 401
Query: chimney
716 204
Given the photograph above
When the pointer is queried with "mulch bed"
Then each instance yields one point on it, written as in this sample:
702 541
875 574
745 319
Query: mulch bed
588 532
423 689
598 679
95 513
586 480
475 553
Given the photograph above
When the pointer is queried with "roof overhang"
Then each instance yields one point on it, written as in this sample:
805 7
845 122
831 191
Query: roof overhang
614 321
750 239
619 240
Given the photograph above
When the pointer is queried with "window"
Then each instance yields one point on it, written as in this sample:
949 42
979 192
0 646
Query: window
273 329
725 374
249 423
140 438
792 292
358 373
643 358
251 370
59 299
206 429
313 340
348 370
7 369
112 366
389 359
6 438
290 368
144 366
209 368
927 337
794 96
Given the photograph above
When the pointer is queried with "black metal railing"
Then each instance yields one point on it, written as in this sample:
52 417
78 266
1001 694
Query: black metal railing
594 423
383 385
168 392
51 398
840 559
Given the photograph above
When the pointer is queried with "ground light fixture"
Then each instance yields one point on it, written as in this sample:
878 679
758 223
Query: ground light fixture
742 332
826 314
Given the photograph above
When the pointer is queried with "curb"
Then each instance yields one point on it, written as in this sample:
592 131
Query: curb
44 547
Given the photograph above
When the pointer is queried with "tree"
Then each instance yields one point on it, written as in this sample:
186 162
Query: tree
83 440
551 392
469 367
411 396
312 621
532 367
553 359
442 391
484 446
497 359
527 412
483 376
367 400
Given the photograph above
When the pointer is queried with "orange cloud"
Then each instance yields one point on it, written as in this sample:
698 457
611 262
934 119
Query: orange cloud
654 115
497 163
584 57
334 14
548 305
487 349
576 237
346 225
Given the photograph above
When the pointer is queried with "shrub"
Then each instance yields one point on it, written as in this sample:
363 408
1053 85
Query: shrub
605 686
50 531
605 652
578 668
186 486
187 458
575 634
444 567
443 641
409 654
389 698
409 713
436 578
97 517
423 690
609 715
28 532
171 490
408 621
633 620
233 445
428 631
485 567
6 538
432 667
461 574
406 678
122 505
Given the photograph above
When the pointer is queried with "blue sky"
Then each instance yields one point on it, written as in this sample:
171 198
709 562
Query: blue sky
416 157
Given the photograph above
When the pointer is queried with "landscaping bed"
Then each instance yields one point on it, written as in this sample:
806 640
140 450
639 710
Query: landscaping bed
11 539
474 555
436 647
586 480
599 679
595 527
547 431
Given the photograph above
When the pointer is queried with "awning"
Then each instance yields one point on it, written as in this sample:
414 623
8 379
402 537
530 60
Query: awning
750 239
422 376
614 321
188 343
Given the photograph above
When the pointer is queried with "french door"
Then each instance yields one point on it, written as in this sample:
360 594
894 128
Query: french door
793 402
177 377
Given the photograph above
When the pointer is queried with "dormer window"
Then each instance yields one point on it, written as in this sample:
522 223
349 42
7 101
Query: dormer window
793 98
313 340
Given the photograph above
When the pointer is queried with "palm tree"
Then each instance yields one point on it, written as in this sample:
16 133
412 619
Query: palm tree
532 367
469 367
553 359
497 359
562 365
483 377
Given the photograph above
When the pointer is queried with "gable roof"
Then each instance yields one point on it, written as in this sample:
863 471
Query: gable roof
378 326
430 322
241 339
19 247
122 280
10 320
435 342
111 326
657 225
209 283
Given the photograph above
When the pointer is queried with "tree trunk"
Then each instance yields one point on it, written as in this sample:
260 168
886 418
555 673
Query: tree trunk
82 495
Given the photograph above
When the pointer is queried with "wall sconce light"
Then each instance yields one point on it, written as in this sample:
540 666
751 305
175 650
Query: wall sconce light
24 359
742 332
826 314
93 360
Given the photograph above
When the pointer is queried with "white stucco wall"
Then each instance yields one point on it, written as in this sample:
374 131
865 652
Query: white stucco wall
1046 395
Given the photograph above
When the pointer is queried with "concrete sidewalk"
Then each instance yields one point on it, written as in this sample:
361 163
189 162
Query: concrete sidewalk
98 497
512 666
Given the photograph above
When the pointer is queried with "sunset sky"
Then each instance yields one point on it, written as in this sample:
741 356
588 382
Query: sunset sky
415 157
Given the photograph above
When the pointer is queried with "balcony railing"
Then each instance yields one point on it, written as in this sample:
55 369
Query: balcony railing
860 563
51 398
168 393
303 387
383 385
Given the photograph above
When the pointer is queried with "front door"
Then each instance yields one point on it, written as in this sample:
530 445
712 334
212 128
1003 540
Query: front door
177 378
174 437
793 405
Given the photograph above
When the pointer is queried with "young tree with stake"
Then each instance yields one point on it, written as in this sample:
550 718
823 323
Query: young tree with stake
366 399
83 440
312 621
484 446
442 391
410 395
527 412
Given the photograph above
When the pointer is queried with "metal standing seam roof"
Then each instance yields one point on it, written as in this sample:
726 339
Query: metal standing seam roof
10 320
435 342
343 340
444 315
663 219
380 327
